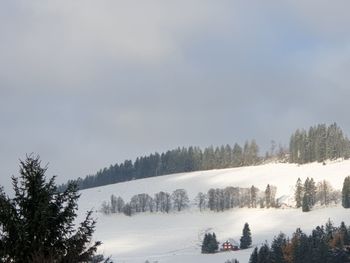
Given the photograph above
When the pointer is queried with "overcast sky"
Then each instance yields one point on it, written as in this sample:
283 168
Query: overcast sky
86 84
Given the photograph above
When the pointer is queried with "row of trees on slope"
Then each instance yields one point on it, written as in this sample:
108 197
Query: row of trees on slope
306 196
216 200
175 161
325 244
319 143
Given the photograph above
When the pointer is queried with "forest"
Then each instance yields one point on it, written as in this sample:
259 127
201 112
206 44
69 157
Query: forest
319 143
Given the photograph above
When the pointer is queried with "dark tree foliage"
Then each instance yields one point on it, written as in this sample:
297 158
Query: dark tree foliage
175 161
299 192
324 245
306 207
37 225
346 193
254 256
319 143
309 197
278 245
209 244
246 239
264 254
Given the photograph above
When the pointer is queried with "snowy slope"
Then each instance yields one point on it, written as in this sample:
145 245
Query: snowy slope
176 237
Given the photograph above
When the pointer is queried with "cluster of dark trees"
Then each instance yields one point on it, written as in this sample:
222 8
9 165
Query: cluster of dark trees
231 197
319 143
346 193
140 203
175 161
326 244
37 224
210 244
309 193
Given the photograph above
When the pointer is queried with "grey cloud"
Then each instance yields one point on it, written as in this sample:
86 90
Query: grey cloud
86 84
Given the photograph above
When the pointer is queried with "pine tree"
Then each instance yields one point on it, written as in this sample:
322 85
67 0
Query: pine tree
309 198
346 193
37 225
300 247
254 256
298 195
319 245
278 245
264 254
344 234
306 204
209 244
214 245
205 244
246 239
329 231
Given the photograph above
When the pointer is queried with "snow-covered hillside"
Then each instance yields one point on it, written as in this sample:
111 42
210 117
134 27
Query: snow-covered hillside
176 237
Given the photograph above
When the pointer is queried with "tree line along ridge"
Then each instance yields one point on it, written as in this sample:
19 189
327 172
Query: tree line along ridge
318 143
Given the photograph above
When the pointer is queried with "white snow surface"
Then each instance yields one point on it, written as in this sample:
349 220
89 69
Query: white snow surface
176 237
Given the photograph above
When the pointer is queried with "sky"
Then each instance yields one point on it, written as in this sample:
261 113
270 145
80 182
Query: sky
85 84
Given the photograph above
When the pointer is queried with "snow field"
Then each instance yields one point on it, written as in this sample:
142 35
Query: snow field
176 237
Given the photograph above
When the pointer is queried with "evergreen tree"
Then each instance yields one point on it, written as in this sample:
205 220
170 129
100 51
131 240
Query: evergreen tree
37 225
264 254
329 231
278 245
346 193
214 245
309 198
306 204
298 195
254 256
300 247
209 244
205 243
237 155
246 239
344 232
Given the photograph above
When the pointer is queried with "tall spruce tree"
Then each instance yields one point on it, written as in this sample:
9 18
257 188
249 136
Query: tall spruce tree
37 225
246 239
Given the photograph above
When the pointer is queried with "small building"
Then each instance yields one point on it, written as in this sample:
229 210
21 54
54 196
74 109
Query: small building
227 246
